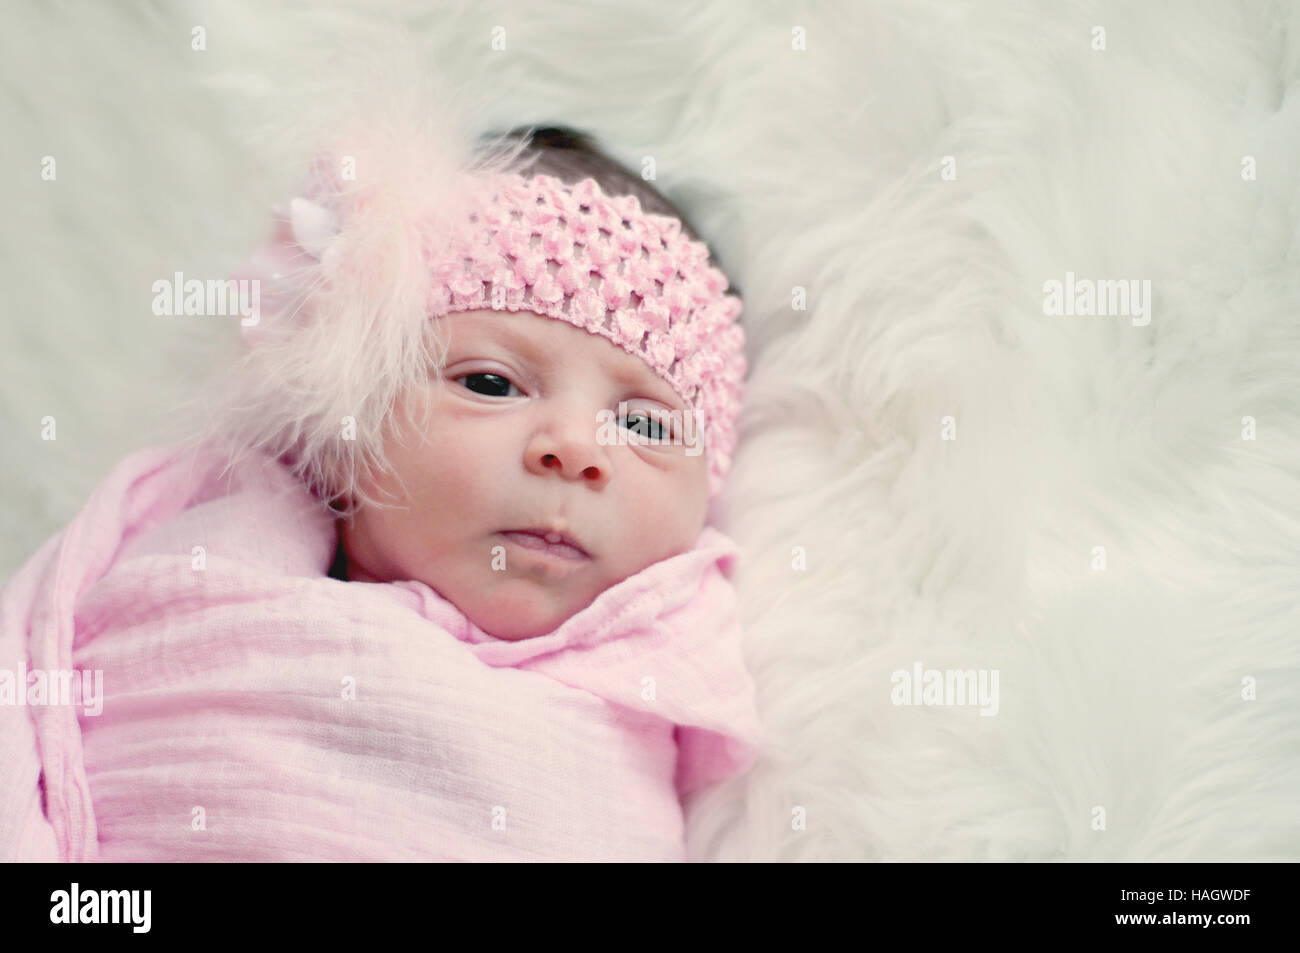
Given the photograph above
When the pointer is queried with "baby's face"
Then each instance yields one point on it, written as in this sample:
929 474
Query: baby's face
516 441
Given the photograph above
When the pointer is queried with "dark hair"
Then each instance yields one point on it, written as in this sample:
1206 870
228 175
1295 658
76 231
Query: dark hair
571 156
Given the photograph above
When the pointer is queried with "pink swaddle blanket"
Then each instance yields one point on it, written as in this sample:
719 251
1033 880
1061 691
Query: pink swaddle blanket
255 709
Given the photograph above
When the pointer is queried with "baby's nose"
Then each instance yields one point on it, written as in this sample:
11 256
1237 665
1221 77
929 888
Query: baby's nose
572 455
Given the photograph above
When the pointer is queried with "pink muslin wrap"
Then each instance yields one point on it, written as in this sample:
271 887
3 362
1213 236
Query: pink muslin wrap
256 709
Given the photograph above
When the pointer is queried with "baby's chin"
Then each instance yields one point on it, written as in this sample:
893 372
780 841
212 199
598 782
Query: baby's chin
525 611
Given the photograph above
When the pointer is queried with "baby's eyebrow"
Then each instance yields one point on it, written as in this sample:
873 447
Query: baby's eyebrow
637 378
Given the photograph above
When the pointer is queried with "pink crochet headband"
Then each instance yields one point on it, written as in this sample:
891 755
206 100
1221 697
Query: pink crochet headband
597 262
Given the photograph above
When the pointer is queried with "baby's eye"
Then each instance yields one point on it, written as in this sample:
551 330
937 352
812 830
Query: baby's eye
494 384
646 426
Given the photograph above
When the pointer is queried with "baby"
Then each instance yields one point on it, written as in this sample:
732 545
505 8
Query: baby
452 592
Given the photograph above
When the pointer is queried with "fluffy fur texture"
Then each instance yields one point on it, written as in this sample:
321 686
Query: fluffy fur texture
345 327
1121 687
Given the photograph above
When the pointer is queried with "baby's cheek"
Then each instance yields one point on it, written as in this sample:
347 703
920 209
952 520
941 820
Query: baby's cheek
690 507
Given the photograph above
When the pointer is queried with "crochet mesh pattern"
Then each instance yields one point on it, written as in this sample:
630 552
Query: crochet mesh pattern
602 264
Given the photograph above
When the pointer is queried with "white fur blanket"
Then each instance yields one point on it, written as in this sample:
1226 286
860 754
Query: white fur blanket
935 467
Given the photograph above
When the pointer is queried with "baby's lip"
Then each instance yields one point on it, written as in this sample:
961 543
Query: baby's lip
552 535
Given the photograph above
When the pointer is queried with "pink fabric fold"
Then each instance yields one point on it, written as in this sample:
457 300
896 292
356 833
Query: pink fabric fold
255 709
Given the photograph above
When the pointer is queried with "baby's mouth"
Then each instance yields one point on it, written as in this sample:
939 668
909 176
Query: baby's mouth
547 541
